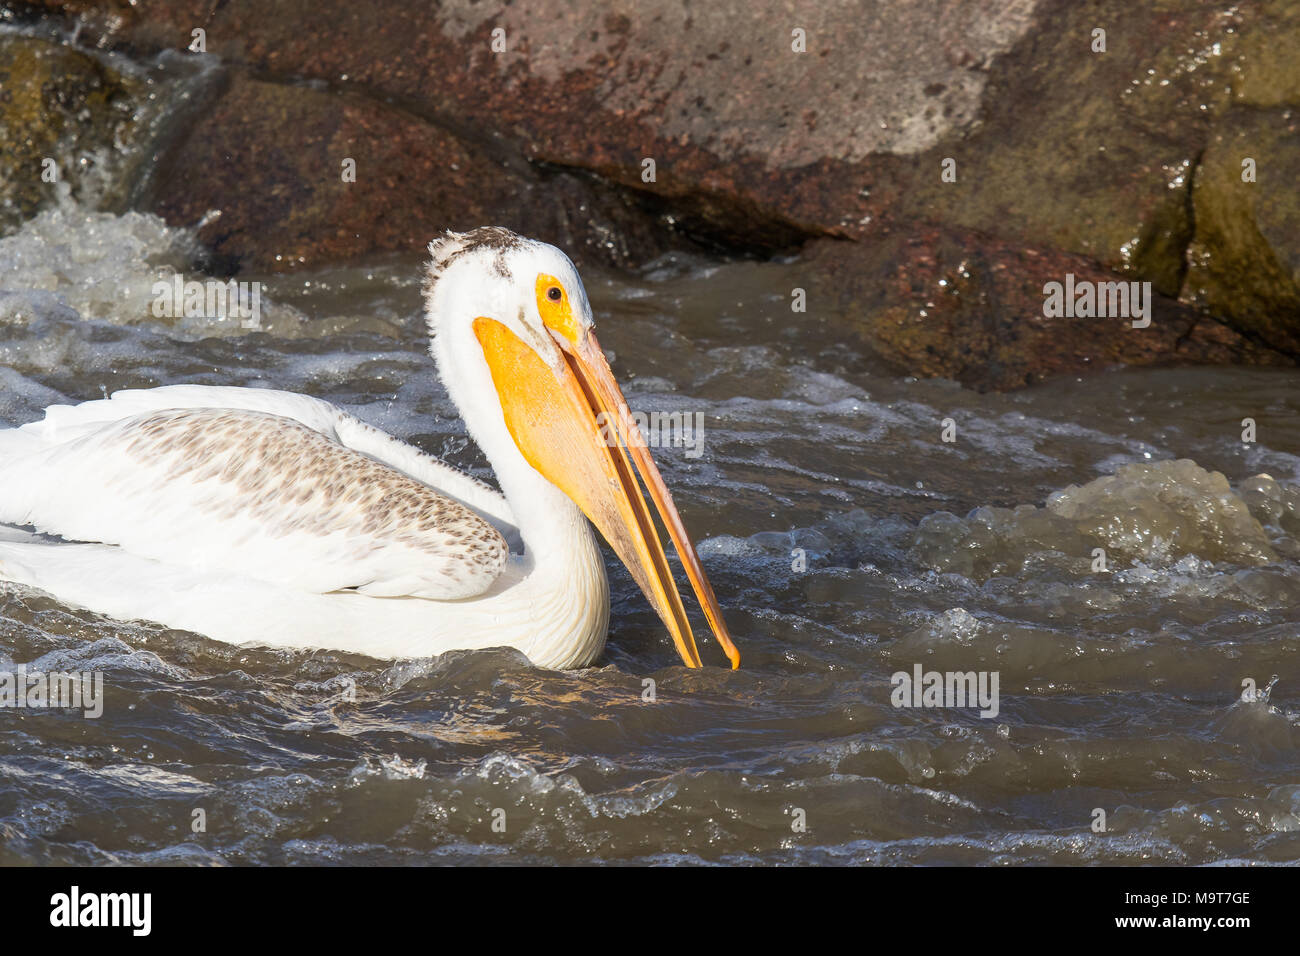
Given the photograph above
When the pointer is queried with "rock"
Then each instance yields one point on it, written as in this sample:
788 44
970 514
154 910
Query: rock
971 308
1245 257
1079 150
755 145
1057 145
272 160
57 103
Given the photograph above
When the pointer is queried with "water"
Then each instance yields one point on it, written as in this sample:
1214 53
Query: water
844 538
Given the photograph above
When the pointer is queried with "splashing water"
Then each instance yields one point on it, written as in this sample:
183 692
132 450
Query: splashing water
847 541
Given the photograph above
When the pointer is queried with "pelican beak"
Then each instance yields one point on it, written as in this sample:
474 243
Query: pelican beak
572 424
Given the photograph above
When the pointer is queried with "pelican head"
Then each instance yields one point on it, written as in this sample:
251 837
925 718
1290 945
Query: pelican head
512 334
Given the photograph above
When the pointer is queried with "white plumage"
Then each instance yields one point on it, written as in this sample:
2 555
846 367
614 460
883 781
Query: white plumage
191 554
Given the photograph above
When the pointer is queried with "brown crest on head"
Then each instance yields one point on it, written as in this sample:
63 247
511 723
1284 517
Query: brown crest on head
450 246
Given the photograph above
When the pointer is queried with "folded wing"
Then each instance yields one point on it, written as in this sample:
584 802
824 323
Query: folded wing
255 492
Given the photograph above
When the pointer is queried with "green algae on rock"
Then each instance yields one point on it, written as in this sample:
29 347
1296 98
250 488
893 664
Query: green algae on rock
58 104
1245 258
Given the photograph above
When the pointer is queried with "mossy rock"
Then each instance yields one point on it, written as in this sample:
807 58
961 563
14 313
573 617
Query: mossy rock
1094 153
1245 257
59 104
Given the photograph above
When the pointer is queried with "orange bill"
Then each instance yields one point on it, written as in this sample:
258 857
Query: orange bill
552 415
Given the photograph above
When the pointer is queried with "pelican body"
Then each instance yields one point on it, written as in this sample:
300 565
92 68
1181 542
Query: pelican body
271 518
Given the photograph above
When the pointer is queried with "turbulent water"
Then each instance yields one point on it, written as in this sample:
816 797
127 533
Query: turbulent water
847 540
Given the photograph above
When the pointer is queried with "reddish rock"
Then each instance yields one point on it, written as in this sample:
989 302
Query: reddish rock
270 158
967 307
755 145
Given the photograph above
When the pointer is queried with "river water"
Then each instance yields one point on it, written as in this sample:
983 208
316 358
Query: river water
846 539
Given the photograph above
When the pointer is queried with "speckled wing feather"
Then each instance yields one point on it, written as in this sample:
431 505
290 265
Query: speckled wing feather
254 493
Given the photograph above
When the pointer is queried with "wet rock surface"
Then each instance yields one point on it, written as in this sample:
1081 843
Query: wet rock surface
950 303
61 112
1245 258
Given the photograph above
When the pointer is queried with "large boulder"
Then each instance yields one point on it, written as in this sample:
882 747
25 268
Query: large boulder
1096 139
754 144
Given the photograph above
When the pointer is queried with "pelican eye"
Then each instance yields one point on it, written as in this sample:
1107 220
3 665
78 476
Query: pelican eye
556 308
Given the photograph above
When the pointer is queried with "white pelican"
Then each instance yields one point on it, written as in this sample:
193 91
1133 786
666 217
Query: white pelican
269 518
